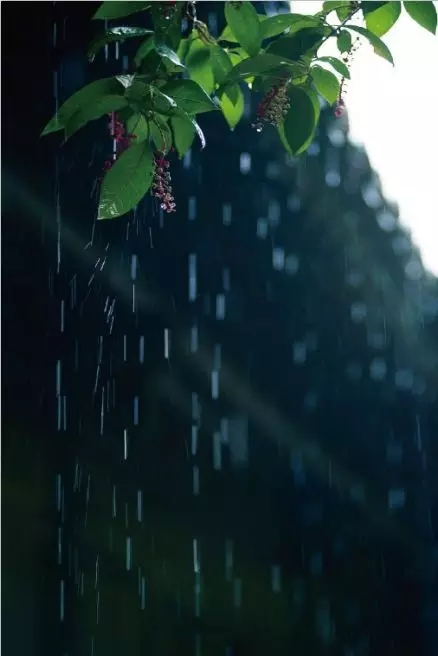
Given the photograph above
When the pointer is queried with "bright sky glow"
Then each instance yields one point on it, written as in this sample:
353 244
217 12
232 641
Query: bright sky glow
392 112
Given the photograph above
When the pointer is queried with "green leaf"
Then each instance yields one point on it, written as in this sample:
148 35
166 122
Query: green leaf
262 64
198 64
423 13
326 84
245 25
344 41
220 62
144 49
183 134
315 101
368 7
114 34
328 7
380 48
275 25
300 121
88 95
380 21
125 184
233 111
161 134
189 96
92 112
172 61
337 64
295 46
138 125
110 10
167 30
125 80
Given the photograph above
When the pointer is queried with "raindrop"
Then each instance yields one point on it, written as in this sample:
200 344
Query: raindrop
414 270
262 228
386 221
192 277
139 505
135 410
194 339
396 498
299 352
358 311
276 579
61 601
141 350
192 211
220 307
378 369
194 440
292 264
245 163
215 384
237 593
166 343
404 379
226 214
125 444
134 267
195 480
217 451
128 553
278 259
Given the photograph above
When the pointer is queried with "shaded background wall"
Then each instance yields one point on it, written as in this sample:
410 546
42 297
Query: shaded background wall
238 465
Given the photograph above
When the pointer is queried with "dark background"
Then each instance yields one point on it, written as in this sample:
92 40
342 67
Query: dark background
344 423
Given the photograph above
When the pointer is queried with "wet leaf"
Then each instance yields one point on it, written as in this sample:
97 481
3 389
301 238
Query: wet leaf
112 35
326 84
125 184
81 100
110 10
183 134
300 120
138 125
170 55
232 106
199 66
344 41
262 64
380 48
295 46
245 25
189 96
221 63
423 13
92 112
275 25
161 133
337 64
382 19
145 48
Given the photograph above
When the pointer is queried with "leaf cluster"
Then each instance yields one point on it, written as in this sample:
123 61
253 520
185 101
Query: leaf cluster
176 78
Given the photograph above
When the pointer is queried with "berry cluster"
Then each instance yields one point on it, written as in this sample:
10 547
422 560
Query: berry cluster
273 107
123 141
161 183
347 59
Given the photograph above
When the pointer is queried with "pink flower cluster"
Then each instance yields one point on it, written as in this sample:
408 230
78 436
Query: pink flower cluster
161 183
123 141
